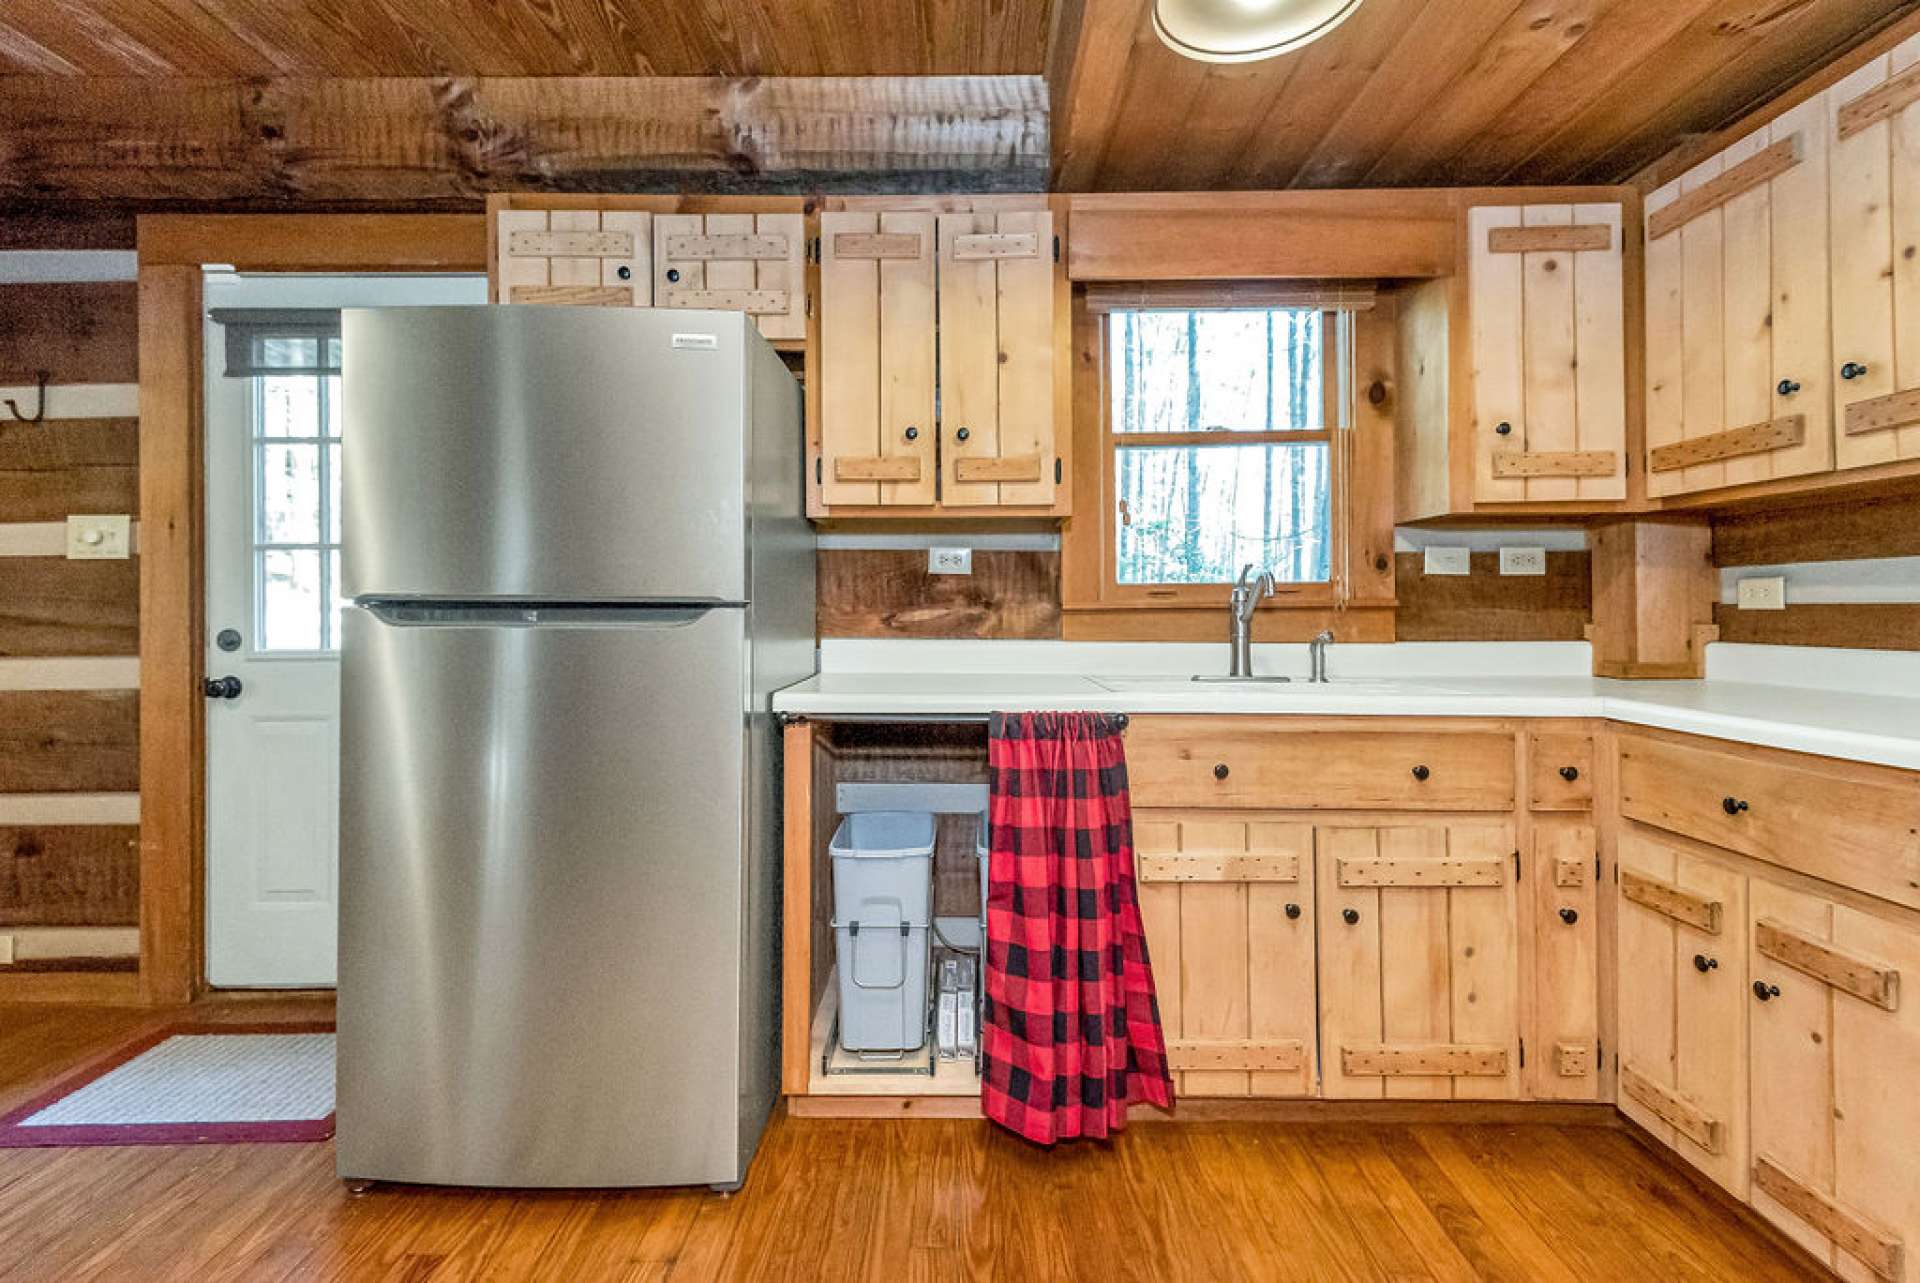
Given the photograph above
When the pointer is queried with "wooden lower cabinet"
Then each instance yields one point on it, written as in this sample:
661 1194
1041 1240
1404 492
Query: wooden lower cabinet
1683 1004
1419 960
1561 884
1228 908
1832 1051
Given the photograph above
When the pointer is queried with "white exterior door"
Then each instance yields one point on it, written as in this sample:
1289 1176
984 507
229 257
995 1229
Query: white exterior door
272 457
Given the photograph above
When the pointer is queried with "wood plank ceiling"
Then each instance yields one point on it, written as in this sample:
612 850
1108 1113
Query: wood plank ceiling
430 103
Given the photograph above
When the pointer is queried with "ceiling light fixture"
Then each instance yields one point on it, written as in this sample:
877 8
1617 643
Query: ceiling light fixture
1245 30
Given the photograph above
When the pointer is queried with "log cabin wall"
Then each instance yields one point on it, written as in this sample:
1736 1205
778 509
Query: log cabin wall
69 629
1852 574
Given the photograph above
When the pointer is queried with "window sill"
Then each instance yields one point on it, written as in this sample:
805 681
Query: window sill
1373 622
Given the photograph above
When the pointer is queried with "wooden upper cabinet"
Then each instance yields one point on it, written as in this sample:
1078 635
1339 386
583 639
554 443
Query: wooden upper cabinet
1737 326
941 357
1874 132
582 256
753 263
1549 352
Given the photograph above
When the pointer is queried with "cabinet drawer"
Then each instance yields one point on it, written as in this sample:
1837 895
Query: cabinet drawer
1859 827
1234 762
1560 772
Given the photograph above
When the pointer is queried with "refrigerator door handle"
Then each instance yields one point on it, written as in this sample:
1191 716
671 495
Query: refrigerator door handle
543 614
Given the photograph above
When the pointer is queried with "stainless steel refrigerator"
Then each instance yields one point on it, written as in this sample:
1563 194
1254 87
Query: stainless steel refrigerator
578 564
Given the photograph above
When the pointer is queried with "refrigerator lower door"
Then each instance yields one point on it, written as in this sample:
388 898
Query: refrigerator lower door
543 907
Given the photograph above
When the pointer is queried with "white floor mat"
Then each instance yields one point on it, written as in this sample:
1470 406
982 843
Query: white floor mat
206 1078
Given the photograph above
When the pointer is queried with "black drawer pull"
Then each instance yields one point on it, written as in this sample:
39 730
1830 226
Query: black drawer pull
1732 805
1569 773
1852 370
1421 772
1220 771
1786 387
912 434
1293 911
1703 964
1764 991
1350 916
1504 429
1569 916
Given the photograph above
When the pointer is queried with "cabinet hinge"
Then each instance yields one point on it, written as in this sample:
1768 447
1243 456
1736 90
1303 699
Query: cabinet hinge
1523 1053
1516 867
1596 866
1056 249
818 471
1056 469
808 310
813 249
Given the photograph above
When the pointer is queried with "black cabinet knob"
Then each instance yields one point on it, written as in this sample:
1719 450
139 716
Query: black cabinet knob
1852 370
1786 387
1732 805
223 688
1504 429
1421 772
1703 964
912 434
1220 771
1569 773
624 273
1350 916
962 435
1293 911
1764 991
673 275
1569 916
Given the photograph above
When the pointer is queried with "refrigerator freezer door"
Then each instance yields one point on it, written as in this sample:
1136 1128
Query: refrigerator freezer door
542 907
545 452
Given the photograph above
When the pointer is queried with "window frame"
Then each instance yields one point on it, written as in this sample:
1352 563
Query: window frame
1335 389
258 546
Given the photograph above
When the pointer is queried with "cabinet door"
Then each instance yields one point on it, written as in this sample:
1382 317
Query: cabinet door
877 358
1549 373
1737 380
1876 1108
1876 274
1419 961
997 354
1228 909
578 256
753 263
1566 990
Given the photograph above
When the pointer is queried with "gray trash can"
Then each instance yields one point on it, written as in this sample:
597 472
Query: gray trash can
882 889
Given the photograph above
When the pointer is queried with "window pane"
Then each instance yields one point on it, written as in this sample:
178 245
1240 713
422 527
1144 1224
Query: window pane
1196 515
333 405
289 406
297 354
289 494
1240 370
333 494
290 599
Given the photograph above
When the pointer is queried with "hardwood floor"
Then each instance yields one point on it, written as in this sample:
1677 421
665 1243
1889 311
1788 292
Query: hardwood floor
909 1200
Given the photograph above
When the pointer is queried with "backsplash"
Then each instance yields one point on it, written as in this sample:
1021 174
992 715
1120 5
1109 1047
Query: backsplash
1851 572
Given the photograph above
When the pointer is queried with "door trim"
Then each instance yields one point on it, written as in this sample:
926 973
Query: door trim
172 248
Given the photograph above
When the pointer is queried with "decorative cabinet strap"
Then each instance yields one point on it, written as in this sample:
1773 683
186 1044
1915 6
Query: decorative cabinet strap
727 247
1881 413
579 295
1711 195
570 244
1439 1059
1868 981
1675 1110
1668 899
1734 443
1879 1249
1555 463
1277 1056
1878 104
1567 238
1233 866
1482 871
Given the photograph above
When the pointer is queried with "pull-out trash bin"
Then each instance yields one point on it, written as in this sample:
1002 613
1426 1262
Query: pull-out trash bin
882 892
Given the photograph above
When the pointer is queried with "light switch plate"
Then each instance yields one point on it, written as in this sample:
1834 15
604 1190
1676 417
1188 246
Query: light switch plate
1523 561
1447 560
949 561
1763 592
99 538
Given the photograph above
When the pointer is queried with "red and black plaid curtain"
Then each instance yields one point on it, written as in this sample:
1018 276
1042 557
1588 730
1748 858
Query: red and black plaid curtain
1071 1035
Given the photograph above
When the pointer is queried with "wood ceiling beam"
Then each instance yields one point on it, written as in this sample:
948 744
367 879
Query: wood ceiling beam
446 142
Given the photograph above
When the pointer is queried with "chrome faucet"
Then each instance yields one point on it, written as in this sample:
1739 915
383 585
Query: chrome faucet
1317 656
1242 602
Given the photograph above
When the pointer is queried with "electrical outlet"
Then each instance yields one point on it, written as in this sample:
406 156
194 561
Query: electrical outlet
949 561
1766 592
1447 561
1523 561
99 538
6 951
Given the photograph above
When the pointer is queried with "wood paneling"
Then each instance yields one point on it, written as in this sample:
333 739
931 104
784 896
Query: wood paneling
53 606
1863 625
426 143
61 466
1431 91
77 332
69 875
1832 532
1489 606
69 742
888 593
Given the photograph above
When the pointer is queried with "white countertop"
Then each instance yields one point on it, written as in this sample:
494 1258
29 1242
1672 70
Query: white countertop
1867 726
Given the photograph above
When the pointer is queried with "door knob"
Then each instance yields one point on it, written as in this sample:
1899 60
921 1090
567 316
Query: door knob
1703 964
1293 911
1764 991
1732 805
1569 773
1421 772
1786 387
1569 916
223 687
1852 370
